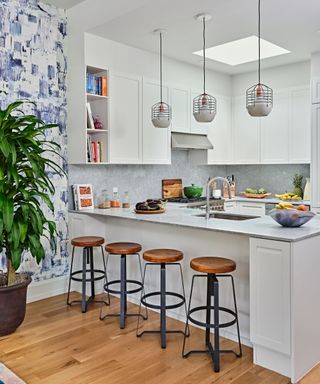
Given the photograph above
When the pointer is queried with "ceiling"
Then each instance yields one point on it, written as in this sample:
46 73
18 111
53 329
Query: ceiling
65 4
291 24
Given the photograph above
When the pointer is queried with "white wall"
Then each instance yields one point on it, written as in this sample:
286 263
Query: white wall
105 53
293 75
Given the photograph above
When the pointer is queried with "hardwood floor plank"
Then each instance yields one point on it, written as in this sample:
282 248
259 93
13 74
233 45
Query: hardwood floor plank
57 344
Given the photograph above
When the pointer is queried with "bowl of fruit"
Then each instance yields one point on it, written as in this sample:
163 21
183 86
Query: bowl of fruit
286 215
289 196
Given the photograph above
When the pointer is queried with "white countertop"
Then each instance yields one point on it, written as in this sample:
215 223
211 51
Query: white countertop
262 227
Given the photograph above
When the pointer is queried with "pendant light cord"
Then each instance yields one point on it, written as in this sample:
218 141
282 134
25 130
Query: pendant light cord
204 55
259 42
161 67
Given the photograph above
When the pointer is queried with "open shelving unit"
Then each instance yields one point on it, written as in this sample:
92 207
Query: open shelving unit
99 106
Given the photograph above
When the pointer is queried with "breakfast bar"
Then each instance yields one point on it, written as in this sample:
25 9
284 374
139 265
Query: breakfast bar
276 278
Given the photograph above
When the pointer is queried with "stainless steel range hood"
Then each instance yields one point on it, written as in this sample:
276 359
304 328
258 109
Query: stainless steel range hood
185 141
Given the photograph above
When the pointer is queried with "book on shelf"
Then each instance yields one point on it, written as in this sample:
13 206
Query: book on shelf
82 196
96 85
90 121
94 150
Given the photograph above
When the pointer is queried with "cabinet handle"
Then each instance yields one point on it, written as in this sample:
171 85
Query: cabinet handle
251 206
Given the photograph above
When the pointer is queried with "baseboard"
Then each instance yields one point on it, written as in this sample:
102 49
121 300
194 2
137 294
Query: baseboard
39 290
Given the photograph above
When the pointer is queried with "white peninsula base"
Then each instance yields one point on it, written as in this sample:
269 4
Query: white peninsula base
277 283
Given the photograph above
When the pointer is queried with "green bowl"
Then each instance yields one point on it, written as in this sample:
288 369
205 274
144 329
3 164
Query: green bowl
192 191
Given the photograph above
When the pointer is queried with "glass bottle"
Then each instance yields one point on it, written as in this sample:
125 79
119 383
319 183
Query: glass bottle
104 200
126 200
115 202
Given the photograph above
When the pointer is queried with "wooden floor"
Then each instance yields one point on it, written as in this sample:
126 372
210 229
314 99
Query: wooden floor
59 345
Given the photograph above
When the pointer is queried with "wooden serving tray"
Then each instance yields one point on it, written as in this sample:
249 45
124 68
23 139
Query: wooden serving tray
256 195
139 211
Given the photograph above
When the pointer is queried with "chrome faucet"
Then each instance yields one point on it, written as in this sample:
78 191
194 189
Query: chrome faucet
211 181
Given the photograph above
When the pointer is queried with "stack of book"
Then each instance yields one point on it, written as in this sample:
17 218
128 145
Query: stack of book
97 85
82 196
94 149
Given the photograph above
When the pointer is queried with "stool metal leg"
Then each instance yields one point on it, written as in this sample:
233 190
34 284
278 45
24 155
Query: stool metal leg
84 278
70 275
105 273
184 295
216 355
236 311
184 355
208 310
163 305
123 289
90 250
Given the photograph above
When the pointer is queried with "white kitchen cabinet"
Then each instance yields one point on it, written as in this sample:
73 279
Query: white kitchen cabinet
300 126
248 208
315 91
220 134
275 131
270 318
315 156
156 147
246 134
181 111
125 119
195 127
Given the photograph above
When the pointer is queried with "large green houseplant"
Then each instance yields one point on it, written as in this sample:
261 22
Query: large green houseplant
25 157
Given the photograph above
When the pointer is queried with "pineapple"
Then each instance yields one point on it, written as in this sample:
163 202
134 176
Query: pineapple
297 183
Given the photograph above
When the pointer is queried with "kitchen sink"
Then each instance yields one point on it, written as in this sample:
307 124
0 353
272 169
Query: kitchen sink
228 216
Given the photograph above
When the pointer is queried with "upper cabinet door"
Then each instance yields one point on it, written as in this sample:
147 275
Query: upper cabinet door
246 133
275 131
125 119
200 128
181 112
300 126
220 134
316 91
156 141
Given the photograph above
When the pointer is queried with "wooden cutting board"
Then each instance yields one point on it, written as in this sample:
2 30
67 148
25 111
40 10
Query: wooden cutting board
171 188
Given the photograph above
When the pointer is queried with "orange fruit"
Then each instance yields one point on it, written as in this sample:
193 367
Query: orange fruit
302 208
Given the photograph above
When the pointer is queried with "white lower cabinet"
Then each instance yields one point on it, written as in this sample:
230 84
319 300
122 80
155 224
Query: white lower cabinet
270 317
254 209
156 148
125 119
230 206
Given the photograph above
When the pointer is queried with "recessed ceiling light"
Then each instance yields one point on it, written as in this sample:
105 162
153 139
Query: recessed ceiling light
242 51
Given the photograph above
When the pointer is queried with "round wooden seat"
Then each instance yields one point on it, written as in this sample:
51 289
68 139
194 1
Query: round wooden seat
163 255
208 264
123 248
87 241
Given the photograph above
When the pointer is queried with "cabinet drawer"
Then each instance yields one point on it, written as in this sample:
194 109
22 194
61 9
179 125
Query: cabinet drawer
247 208
230 206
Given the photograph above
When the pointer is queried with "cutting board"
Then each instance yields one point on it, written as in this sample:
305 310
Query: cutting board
171 188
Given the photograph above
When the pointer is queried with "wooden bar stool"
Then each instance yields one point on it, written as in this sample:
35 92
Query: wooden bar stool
214 268
162 258
123 250
87 243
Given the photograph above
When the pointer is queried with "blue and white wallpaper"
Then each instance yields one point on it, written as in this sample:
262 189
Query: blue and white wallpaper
33 66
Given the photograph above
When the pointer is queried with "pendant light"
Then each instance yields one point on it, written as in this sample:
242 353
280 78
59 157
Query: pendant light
259 96
161 112
204 105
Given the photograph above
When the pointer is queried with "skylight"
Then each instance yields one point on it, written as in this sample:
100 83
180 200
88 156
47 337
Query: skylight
242 51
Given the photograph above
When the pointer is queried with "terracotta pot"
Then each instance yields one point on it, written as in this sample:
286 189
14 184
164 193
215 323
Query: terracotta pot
13 306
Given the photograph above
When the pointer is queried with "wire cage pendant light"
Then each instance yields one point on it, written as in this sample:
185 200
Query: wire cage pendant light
161 111
259 97
204 105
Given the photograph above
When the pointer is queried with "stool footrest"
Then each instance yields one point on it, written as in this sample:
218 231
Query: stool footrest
91 300
158 293
117 291
88 279
206 325
159 332
126 315
210 351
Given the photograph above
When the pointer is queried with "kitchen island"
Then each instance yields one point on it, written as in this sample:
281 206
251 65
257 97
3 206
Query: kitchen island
276 278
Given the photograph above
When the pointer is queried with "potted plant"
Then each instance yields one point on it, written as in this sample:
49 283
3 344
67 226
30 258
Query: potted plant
25 189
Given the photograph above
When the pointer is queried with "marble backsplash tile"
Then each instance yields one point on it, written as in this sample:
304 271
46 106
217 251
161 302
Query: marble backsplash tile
144 181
